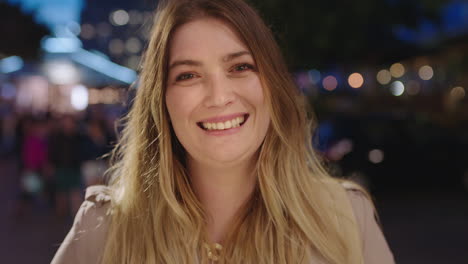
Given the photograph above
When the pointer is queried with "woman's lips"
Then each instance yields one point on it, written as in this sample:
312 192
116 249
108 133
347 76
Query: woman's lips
223 122
222 118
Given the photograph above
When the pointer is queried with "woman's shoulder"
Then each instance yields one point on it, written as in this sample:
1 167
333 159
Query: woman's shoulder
375 247
362 205
85 241
359 198
98 194
95 210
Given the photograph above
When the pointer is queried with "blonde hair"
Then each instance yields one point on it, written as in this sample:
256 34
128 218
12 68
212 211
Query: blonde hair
297 211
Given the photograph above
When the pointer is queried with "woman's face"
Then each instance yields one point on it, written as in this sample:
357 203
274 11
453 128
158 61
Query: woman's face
214 95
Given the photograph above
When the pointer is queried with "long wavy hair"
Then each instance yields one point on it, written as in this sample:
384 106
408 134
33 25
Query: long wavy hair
297 214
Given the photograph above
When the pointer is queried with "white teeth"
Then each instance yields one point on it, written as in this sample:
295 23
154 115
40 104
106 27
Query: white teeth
235 122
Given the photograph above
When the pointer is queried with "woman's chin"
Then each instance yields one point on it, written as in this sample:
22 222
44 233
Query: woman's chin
224 159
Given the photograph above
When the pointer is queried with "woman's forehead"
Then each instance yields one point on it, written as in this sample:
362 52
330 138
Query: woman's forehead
205 37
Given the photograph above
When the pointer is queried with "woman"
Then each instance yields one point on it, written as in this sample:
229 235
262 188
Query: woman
214 164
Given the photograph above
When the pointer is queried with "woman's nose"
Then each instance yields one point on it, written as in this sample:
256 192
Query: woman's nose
219 91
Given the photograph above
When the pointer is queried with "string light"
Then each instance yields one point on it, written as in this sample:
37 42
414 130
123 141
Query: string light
116 46
355 80
133 45
79 97
397 88
119 18
397 70
87 31
457 93
426 73
376 156
330 83
384 77
314 76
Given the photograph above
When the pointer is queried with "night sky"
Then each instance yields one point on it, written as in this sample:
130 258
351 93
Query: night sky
57 12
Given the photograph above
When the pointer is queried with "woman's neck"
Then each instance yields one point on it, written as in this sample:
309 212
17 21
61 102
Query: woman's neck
222 192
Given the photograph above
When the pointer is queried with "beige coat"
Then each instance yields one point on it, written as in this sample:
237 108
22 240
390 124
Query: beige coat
84 243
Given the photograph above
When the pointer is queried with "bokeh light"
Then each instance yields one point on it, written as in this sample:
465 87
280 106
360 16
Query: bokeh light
119 18
426 72
340 149
376 156
397 70
109 96
355 80
384 77
133 45
33 93
314 76
457 93
79 97
397 88
87 31
116 46
62 72
330 83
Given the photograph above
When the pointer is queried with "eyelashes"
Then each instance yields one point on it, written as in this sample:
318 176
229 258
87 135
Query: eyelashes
185 76
236 70
243 67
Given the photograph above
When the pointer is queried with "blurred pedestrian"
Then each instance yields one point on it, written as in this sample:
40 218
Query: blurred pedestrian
8 135
66 157
95 146
34 160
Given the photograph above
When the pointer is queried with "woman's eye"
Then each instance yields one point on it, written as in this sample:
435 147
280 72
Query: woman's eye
185 76
243 67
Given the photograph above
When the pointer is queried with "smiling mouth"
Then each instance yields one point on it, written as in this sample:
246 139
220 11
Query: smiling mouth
218 126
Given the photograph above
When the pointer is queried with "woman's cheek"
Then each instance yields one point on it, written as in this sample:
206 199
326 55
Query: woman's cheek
251 88
182 100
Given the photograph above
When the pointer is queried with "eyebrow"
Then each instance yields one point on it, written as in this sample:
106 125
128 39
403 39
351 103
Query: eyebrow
184 62
234 55
226 58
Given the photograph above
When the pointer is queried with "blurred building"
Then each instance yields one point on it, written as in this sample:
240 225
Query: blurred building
119 30
68 76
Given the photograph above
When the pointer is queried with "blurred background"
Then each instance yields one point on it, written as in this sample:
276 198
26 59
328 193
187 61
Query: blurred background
386 78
